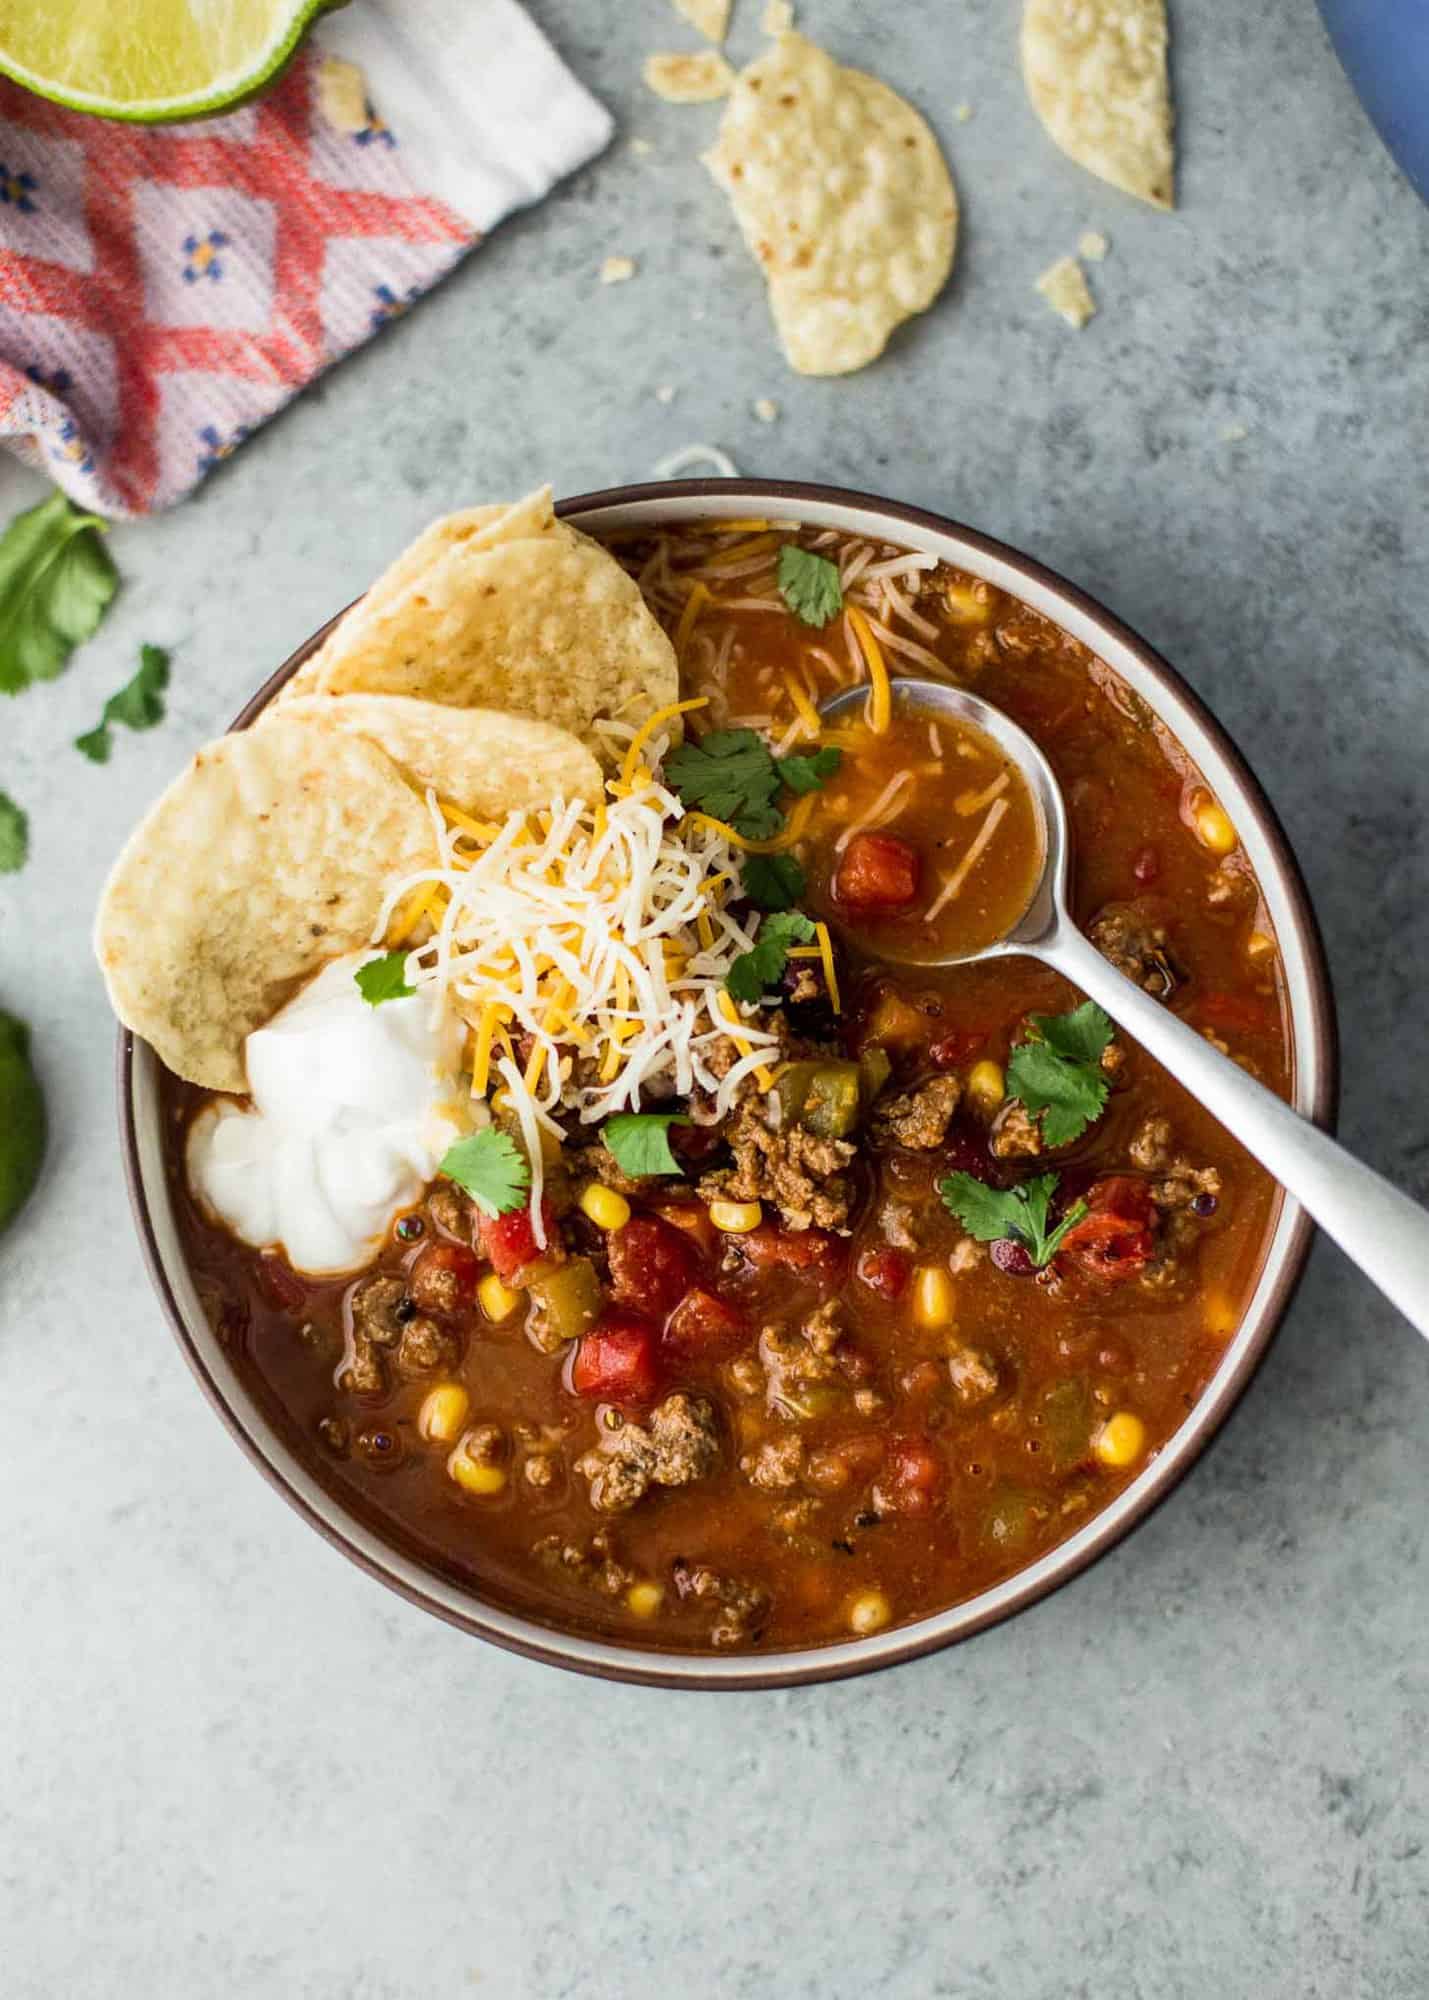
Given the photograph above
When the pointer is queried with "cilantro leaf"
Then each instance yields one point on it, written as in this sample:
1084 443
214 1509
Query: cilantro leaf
1060 1073
384 978
639 1141
139 704
807 774
14 836
758 968
491 1168
772 881
731 775
56 581
1021 1213
809 585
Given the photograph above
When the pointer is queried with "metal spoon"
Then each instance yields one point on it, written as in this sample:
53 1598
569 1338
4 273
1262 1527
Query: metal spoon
1380 1229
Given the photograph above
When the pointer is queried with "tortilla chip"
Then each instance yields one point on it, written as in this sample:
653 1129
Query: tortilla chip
686 79
777 18
1064 286
709 17
545 625
269 856
844 200
477 758
1096 73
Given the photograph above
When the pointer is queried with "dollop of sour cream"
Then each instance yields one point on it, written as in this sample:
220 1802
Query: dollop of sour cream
353 1107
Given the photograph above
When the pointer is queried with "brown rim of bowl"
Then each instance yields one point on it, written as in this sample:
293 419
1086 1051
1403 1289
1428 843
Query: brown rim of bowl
573 1651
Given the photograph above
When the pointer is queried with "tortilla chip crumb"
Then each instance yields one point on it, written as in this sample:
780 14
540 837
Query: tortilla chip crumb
665 393
778 18
1092 245
615 270
1234 433
1064 286
689 79
709 17
342 95
766 409
962 112
640 147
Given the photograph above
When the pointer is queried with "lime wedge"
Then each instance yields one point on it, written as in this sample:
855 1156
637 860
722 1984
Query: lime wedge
22 1118
150 60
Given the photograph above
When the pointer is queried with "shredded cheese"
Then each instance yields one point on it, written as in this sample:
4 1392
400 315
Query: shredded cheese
793 829
648 729
698 596
826 952
880 693
965 867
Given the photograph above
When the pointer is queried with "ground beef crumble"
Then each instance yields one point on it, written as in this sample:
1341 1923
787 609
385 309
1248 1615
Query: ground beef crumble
740 1608
1137 947
917 1118
678 1444
802 1176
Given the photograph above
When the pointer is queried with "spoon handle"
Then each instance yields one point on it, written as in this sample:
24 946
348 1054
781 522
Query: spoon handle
1380 1229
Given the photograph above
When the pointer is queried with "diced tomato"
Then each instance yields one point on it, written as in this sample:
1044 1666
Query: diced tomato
509 1241
617 1361
812 1250
443 1277
692 1218
280 1284
1116 1238
1244 1013
956 1048
914 1477
652 1264
885 1271
702 1327
877 875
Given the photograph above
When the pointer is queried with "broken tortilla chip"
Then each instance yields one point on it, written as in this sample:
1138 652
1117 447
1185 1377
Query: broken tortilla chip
689 79
1064 286
1096 74
709 18
545 625
270 855
844 199
480 759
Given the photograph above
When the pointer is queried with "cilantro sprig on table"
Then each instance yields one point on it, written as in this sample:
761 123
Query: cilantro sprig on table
139 704
1021 1213
758 968
491 1168
809 585
639 1141
384 978
56 582
1057 1073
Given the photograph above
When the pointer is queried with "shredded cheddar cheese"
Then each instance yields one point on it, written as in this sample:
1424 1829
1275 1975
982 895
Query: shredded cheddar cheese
880 693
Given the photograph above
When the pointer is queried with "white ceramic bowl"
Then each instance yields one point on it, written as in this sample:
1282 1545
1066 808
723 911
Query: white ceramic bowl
1312 1016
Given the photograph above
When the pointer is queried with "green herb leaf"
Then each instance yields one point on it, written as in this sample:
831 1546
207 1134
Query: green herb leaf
772 881
809 585
492 1169
1021 1213
807 774
139 704
14 836
1059 1074
640 1143
384 978
755 970
56 581
731 775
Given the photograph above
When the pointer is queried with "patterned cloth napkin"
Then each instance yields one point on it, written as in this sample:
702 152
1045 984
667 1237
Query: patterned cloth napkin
164 290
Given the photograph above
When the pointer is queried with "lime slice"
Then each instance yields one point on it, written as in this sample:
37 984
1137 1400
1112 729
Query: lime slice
150 60
22 1118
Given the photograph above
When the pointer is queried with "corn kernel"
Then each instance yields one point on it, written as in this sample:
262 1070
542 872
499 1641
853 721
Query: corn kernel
1121 1440
986 1087
1259 945
932 1296
1213 827
736 1218
869 1612
605 1208
476 1475
444 1412
496 1300
1218 1312
644 1599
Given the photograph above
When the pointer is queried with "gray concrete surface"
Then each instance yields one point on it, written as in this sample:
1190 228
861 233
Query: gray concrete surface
230 1765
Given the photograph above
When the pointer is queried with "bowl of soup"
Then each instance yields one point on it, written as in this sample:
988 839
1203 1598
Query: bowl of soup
841 1304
